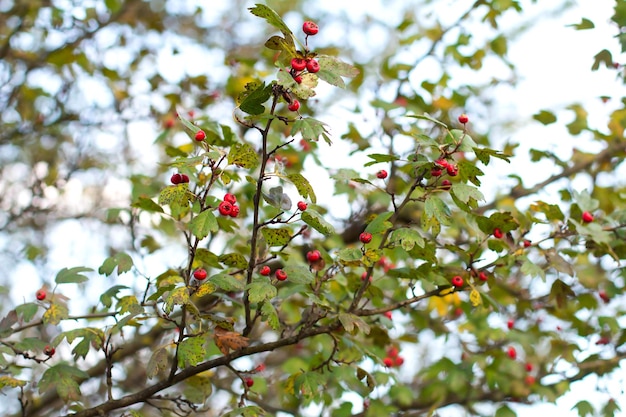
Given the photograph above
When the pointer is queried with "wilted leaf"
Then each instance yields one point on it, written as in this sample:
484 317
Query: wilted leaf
227 340
191 351
157 363
8 381
243 155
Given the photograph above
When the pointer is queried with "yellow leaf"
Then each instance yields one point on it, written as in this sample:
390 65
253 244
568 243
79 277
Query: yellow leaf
205 289
475 298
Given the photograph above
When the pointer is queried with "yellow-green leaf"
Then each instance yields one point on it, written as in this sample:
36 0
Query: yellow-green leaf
276 237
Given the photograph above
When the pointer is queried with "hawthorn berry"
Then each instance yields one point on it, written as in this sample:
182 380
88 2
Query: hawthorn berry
225 208
298 64
302 205
230 198
313 256
587 217
497 233
184 178
604 296
312 66
200 135
511 352
530 380
169 123
364 276
392 352
40 295
436 172
382 174
281 275
200 274
298 79
446 185
453 170
510 323
176 179
389 314
529 367
249 382
442 163
49 350
365 237
310 28
265 270
463 118
457 281
483 276
234 211
527 243
294 106
398 361
388 362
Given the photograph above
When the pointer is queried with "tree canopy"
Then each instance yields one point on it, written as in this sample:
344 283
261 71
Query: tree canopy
280 209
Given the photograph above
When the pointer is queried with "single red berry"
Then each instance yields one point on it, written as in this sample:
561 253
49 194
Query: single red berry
199 274
511 352
364 276
225 208
382 174
604 296
398 361
389 315
265 270
457 281
587 217
497 233
184 178
603 341
458 311
483 276
298 79
310 28
302 205
365 237
529 367
436 172
392 352
49 350
230 198
446 185
510 323
298 64
530 380
249 382
313 256
442 163
200 135
388 362
169 123
176 179
260 367
453 170
312 66
234 211
281 275
527 243
463 118
41 295
366 403
294 106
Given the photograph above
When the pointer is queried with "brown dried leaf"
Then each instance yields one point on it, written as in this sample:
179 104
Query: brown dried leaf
227 340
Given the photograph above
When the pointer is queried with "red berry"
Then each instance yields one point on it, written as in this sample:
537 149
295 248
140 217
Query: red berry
302 205
312 66
446 185
310 28
529 367
463 118
298 79
530 380
294 106
511 352
184 178
176 179
365 237
482 276
169 123
497 233
249 382
527 243
442 163
388 314
453 170
298 64
313 256
225 208
382 174
265 270
281 275
392 352
49 350
603 341
230 198
457 281
234 212
199 274
388 362
260 368
436 172
41 295
398 361
364 275
200 135
510 323
604 296
587 217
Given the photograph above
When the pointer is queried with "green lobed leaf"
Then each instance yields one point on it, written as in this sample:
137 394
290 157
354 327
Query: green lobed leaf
303 186
243 155
261 290
299 274
252 102
64 378
271 17
380 223
380 158
485 154
191 351
276 237
72 275
426 116
32 343
227 282
459 139
317 222
27 311
466 192
545 117
203 224
157 363
310 129
234 260
121 260
583 25
107 297
178 296
147 204
350 255
437 209
332 69
469 172
407 237
310 385
270 315
285 45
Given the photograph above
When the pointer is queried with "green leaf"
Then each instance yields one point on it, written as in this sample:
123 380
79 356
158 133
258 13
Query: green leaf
234 260
72 275
426 116
193 129
64 378
584 409
602 57
380 158
121 260
310 385
531 269
147 204
129 304
285 45
191 351
466 192
270 315
203 224
8 381
469 172
227 282
485 154
459 139
252 102
261 290
107 297
505 411
178 296
27 311
299 274
350 256
303 186
32 343
276 237
380 223
436 208
545 117
271 17
503 221
351 322
317 222
407 237
7 322
243 155
583 25
157 363
303 90
332 69
310 129
177 195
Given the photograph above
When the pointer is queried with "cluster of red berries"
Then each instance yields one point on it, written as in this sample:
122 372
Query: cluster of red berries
301 64
179 179
451 169
279 274
228 206
393 358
